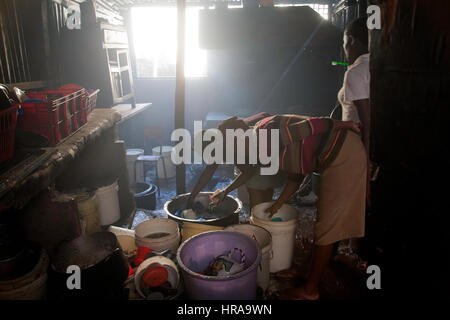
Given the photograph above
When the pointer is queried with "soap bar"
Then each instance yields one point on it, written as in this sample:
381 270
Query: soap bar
277 219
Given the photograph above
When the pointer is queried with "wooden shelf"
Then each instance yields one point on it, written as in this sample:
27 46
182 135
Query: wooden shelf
20 190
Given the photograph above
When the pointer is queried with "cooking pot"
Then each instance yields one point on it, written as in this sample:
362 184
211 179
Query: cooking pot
103 266
228 210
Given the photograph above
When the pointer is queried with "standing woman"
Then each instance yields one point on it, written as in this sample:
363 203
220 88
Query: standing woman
355 92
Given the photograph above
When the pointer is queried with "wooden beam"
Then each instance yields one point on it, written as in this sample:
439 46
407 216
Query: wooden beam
28 85
180 89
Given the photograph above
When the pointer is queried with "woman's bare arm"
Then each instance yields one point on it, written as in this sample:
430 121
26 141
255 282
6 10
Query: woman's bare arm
206 175
291 187
247 171
363 107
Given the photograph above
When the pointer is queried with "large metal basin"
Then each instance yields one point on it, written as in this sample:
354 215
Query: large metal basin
228 209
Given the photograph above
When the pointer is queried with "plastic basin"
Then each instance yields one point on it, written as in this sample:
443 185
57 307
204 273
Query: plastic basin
195 254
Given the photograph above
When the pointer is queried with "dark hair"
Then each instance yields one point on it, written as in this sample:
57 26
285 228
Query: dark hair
358 29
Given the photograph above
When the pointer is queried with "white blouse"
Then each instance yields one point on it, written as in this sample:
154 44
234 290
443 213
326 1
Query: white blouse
356 87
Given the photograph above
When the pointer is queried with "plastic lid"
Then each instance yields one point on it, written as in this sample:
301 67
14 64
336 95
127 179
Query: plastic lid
155 276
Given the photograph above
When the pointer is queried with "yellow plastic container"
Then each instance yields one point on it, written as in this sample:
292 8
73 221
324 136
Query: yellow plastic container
190 229
88 210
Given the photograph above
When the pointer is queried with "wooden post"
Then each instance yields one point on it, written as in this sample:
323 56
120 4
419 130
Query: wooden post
180 89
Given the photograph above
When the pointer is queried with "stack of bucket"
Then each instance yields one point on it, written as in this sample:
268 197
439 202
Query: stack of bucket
160 238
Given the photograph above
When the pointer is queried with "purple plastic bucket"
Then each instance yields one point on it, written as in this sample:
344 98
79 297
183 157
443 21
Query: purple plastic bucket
195 254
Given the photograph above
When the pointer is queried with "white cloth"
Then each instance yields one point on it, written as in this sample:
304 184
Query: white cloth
356 87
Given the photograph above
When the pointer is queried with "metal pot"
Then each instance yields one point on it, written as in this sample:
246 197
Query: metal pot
104 267
230 207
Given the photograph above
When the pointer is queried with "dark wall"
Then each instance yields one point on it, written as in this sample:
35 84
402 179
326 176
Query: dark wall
241 76
250 49
410 64
22 44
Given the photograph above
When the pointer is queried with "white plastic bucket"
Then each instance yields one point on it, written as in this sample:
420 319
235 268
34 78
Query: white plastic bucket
264 240
146 229
108 204
283 233
166 155
132 155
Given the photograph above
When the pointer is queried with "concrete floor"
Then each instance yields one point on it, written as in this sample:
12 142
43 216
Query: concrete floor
343 278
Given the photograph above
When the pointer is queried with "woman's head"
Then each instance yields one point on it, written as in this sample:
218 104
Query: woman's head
233 123
356 39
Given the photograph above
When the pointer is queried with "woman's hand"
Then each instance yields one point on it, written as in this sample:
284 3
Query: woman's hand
349 125
273 209
218 198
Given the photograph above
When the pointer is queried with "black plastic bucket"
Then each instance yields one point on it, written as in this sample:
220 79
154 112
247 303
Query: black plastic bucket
144 195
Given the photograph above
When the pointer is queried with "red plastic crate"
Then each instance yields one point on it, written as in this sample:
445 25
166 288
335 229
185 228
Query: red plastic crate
57 116
90 103
8 121
73 100
44 118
